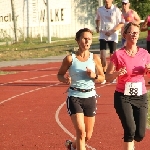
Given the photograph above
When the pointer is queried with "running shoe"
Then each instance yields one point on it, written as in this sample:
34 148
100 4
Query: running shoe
114 81
68 144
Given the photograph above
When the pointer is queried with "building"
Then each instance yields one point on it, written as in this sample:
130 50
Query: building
29 18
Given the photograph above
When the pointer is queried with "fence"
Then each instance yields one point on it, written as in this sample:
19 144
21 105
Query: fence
31 18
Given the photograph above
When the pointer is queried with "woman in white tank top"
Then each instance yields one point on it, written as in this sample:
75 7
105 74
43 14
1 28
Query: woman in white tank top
84 70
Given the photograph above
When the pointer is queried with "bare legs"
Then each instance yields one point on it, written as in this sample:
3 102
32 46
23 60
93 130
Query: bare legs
84 129
129 145
103 57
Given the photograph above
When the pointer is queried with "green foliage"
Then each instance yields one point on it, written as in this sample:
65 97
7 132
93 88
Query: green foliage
86 11
143 7
148 117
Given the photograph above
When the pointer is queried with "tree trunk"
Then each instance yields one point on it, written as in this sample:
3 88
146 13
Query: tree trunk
14 19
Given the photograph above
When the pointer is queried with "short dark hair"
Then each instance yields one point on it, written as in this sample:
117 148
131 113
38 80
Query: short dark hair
78 34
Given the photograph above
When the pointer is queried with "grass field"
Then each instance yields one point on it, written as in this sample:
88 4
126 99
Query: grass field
34 48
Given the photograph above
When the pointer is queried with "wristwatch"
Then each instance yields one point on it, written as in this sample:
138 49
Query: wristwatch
96 77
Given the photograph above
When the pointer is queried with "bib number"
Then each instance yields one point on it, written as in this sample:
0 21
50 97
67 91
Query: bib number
133 88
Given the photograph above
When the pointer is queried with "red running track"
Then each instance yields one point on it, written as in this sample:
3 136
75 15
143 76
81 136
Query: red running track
33 112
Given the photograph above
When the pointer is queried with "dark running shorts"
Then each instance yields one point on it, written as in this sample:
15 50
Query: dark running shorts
87 106
111 44
148 46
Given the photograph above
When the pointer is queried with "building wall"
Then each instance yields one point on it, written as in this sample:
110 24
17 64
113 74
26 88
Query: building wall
66 17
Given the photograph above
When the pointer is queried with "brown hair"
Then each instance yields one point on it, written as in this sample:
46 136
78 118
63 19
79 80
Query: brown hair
127 26
78 34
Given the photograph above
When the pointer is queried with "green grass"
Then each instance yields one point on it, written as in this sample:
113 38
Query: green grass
34 48
143 35
7 72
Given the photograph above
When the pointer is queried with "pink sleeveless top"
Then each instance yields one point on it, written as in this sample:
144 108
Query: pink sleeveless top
129 16
148 25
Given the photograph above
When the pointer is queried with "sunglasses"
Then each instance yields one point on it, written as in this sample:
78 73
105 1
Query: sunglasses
133 33
124 3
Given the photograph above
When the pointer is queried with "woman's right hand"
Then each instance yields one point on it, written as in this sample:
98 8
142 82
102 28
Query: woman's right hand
122 71
147 69
97 29
68 79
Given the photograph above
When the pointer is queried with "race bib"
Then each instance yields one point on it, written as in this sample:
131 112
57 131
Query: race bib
133 88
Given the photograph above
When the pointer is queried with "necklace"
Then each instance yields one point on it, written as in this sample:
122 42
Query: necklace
131 52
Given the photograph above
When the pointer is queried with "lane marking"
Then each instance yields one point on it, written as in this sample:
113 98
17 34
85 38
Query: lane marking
37 81
27 79
26 93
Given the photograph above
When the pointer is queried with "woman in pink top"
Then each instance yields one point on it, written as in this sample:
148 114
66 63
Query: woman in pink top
130 98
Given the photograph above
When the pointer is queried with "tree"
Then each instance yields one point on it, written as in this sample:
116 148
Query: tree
14 19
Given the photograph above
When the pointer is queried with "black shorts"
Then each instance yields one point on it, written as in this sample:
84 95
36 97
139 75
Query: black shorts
111 44
148 46
87 106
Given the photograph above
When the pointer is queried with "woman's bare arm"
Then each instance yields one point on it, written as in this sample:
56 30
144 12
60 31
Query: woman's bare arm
111 73
144 25
99 69
63 70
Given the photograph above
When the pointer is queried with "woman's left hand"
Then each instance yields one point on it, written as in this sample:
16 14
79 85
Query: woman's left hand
147 69
108 33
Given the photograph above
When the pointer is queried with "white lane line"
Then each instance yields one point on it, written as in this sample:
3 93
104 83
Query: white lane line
50 68
37 81
25 79
26 93
30 70
63 128
59 123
